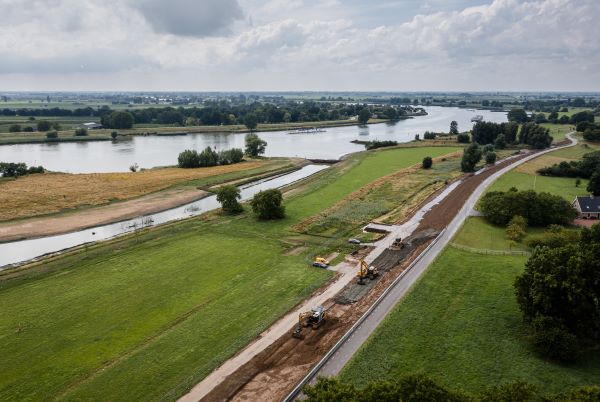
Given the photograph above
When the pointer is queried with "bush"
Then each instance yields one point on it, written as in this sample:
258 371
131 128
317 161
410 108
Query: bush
490 158
43 125
539 209
81 132
228 196
471 157
427 162
28 129
231 156
35 170
463 138
591 134
515 230
208 157
380 144
429 135
9 169
500 142
51 135
268 204
254 145
552 339
14 128
114 135
555 236
488 148
188 159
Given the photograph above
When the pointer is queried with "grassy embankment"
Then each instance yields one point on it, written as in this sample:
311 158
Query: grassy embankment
52 193
149 315
461 322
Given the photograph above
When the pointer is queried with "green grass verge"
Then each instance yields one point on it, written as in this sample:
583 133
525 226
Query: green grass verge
149 315
480 234
461 324
561 186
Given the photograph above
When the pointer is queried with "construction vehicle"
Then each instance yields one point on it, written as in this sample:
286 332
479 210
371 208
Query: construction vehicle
366 271
397 244
322 260
313 318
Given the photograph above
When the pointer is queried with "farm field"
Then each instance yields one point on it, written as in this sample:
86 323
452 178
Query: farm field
461 325
141 317
49 193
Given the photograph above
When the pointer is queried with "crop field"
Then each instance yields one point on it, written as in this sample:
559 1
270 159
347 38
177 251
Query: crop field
48 193
149 315
461 324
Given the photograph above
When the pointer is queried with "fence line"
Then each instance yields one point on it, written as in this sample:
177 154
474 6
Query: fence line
488 251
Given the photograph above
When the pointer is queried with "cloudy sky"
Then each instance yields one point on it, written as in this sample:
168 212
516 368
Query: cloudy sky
229 45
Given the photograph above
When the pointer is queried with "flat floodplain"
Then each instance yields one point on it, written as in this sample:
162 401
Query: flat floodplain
149 315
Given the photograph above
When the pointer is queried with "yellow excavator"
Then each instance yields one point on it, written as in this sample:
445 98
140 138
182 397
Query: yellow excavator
313 318
366 271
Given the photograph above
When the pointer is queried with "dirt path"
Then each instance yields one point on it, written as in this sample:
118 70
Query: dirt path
79 220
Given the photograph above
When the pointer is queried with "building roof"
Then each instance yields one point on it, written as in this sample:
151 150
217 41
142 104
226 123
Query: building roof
589 204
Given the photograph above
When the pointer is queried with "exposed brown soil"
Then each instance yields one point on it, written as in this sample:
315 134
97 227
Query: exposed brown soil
71 222
272 374
442 214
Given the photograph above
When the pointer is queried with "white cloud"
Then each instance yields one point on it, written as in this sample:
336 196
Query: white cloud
507 44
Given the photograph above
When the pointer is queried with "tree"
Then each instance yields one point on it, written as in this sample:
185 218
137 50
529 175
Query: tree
228 196
51 135
539 209
268 204
230 156
488 148
594 184
558 295
364 115
188 159
81 132
255 146
518 116
515 230
463 138
471 157
500 142
490 158
43 125
427 162
453 127
28 129
251 121
114 135
14 128
208 157
535 136
119 120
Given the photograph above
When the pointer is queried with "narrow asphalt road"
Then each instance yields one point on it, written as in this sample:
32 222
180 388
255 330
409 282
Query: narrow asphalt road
333 363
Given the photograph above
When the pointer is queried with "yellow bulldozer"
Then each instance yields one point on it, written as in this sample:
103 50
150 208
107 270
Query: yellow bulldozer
366 271
313 318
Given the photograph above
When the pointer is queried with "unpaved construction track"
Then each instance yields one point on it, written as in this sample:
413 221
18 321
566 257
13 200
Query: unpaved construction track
276 370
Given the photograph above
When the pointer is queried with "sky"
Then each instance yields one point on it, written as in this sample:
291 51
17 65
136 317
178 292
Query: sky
300 45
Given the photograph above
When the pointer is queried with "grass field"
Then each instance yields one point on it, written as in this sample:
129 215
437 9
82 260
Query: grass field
558 131
461 324
42 194
480 234
147 316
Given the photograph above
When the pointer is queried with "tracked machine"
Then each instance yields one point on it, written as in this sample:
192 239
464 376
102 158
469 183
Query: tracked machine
366 271
313 318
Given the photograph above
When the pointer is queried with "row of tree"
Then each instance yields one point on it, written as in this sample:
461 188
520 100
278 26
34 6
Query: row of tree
501 134
266 205
10 169
421 388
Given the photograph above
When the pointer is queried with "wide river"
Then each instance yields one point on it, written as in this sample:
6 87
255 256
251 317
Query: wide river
152 151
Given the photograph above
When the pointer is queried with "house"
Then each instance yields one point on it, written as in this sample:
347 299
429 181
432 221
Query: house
588 207
91 125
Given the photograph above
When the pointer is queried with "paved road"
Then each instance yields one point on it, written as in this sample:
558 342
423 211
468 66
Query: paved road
351 342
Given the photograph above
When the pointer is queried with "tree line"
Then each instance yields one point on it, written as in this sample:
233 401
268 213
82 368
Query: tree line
422 388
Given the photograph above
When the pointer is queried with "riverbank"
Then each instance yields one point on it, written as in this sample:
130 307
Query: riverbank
105 134
57 194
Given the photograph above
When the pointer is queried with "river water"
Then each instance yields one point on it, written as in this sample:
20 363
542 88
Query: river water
19 251
152 151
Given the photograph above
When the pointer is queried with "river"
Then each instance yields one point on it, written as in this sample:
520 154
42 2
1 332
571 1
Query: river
152 151
25 250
